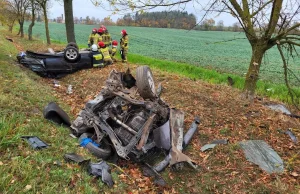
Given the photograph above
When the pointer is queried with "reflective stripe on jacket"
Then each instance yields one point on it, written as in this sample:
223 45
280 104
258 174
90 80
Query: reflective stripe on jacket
105 53
97 58
106 38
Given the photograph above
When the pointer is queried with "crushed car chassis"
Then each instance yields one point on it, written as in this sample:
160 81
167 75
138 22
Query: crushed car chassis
128 117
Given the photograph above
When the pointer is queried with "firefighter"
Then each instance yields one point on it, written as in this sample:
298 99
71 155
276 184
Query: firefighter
105 53
114 50
124 45
94 38
97 58
100 32
106 38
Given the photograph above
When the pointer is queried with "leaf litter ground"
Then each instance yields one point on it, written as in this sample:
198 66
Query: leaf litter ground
224 115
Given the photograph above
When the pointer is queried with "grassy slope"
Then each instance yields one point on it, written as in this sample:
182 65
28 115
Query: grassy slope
23 97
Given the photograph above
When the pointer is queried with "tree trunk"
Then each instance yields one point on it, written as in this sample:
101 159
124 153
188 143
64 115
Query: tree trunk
258 52
69 21
32 22
19 28
46 24
21 31
10 28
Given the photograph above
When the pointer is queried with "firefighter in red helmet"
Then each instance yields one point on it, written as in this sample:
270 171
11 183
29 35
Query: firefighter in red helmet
105 53
124 45
114 50
106 38
94 38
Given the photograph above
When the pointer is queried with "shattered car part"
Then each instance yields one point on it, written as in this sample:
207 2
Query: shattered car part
148 171
35 142
102 170
131 124
207 147
73 157
190 133
292 136
261 154
186 139
95 149
220 141
54 113
213 144
279 107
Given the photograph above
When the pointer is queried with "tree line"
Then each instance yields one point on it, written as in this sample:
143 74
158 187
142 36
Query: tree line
162 19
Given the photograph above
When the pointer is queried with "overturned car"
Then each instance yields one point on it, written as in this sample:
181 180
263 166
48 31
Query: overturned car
129 119
55 65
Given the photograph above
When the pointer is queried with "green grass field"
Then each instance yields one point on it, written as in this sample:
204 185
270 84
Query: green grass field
211 50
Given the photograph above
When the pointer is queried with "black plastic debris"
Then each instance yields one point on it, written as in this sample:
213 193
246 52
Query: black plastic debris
73 157
54 113
261 154
292 136
101 169
35 142
220 141
149 171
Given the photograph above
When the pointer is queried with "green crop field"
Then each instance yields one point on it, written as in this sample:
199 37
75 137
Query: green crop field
206 49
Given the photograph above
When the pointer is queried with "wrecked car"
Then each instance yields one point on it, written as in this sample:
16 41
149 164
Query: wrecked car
129 119
55 65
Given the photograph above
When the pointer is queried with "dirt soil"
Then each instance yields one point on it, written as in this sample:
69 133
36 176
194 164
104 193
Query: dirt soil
224 115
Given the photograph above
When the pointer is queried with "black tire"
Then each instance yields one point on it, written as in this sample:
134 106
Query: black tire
71 54
104 152
145 82
73 44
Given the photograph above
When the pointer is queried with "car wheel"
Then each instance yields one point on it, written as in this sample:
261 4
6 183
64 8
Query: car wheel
72 44
145 82
104 151
71 54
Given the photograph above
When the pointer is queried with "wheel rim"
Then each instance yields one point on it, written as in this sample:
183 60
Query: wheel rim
71 54
151 82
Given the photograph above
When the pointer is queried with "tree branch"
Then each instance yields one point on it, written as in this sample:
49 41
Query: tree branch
289 42
260 8
286 74
277 5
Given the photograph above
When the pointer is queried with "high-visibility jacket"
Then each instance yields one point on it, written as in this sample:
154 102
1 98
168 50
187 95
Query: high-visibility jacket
105 53
97 58
113 51
106 38
94 39
124 42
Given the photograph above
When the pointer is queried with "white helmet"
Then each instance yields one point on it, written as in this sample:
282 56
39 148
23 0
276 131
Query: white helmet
94 47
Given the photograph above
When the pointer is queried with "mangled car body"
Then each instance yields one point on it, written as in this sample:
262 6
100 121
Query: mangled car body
130 119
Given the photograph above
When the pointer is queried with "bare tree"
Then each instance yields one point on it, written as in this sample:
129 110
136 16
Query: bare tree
43 4
20 7
8 15
266 23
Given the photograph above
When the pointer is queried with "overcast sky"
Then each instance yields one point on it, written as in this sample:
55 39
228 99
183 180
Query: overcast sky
83 8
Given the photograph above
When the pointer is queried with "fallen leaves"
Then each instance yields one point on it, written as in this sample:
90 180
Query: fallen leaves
223 116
